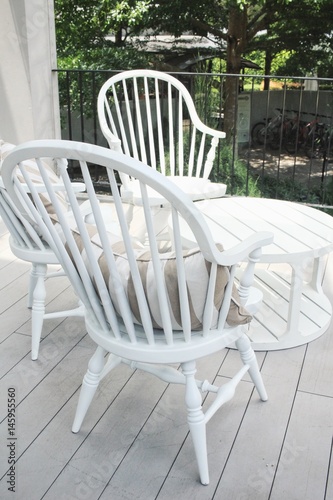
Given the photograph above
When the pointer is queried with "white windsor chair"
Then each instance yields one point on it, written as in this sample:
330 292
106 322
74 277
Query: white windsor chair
143 308
150 116
27 245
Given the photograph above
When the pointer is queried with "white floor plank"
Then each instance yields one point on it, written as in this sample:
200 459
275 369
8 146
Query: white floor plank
306 450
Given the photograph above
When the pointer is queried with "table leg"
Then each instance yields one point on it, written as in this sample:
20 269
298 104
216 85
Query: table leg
296 287
317 274
295 298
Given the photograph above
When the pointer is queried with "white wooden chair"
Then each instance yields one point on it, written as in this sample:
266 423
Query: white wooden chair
150 116
143 308
29 247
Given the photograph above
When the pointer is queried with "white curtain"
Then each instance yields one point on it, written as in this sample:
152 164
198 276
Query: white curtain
29 106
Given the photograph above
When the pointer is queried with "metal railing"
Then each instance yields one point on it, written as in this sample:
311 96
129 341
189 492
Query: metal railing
283 147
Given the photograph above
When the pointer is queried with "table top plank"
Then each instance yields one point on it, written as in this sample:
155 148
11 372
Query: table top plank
299 231
245 222
311 222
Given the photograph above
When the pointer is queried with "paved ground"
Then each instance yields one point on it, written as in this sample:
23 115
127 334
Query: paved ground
310 172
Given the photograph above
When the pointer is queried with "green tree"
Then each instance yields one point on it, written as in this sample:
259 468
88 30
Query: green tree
303 28
272 26
240 26
83 27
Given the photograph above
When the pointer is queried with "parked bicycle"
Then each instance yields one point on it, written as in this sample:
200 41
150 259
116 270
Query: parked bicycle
274 133
313 138
296 136
319 142
267 133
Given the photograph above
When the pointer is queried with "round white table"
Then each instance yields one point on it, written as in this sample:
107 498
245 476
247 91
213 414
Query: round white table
294 309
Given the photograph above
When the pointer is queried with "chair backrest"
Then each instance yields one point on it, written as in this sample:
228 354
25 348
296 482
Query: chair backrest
131 291
25 236
150 116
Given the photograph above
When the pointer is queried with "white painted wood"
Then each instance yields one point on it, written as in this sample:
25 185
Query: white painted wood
64 466
271 329
27 245
317 373
142 114
152 335
250 468
146 426
306 450
299 231
294 309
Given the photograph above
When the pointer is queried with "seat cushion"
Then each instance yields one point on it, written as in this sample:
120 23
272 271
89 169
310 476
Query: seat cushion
197 271
196 188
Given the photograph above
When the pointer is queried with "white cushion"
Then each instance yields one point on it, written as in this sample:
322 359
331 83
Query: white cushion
195 187
197 271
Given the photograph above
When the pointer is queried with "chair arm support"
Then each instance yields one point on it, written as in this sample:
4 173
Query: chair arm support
113 141
205 129
241 251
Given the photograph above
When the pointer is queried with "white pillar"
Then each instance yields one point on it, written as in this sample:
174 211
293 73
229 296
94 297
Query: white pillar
29 105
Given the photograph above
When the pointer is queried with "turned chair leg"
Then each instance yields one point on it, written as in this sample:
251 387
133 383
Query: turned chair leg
36 300
32 285
89 386
248 357
196 420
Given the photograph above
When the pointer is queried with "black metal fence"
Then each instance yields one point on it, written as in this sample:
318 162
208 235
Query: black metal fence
284 143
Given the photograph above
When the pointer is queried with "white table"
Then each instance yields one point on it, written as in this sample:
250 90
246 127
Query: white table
294 309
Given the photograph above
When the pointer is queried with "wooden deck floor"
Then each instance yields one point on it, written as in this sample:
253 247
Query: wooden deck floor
134 443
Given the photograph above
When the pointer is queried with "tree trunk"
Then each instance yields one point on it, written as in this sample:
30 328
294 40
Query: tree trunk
118 39
235 46
268 66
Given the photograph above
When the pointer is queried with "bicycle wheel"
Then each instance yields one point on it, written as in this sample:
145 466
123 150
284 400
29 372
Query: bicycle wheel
258 134
291 142
273 140
314 146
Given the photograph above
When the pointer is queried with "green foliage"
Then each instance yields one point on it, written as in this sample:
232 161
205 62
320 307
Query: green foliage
287 189
242 182
328 192
84 25
207 98
234 173
81 87
106 58
80 26
297 33
128 13
302 31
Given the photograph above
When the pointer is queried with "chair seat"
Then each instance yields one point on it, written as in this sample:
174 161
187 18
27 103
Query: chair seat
196 188
179 352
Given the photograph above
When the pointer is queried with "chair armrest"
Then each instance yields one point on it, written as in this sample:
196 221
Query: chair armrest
113 141
241 251
208 130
